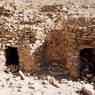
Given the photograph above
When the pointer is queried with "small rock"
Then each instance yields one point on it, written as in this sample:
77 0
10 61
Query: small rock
59 92
64 81
70 82
88 88
2 85
19 90
31 87
54 64
88 75
18 78
19 86
35 78
45 82
93 79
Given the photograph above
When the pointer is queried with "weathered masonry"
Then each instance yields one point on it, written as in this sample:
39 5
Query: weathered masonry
60 32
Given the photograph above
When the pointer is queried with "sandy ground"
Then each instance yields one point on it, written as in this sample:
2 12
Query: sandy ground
14 85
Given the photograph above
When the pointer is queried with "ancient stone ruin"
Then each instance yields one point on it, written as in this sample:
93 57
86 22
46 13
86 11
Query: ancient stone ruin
58 33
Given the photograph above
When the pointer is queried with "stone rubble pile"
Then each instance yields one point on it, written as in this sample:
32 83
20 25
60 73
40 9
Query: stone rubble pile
87 68
57 68
52 68
13 85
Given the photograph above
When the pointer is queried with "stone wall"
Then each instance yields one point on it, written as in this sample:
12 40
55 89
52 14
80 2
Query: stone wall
47 33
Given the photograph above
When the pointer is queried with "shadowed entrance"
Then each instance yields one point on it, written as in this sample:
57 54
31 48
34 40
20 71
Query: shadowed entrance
87 65
12 57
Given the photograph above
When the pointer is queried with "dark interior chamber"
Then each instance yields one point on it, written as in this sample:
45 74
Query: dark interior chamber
12 57
87 64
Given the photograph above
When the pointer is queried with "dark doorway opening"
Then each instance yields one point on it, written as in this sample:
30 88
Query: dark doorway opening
87 64
12 57
86 54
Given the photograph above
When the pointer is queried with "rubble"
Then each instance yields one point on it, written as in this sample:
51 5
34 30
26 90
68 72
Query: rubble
15 85
88 89
87 67
22 75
